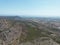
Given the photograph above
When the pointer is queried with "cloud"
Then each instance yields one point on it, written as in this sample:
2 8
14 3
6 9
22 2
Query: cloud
32 12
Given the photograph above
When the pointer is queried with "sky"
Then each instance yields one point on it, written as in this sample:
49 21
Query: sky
47 8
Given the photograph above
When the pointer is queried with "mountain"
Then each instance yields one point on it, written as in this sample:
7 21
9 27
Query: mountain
15 30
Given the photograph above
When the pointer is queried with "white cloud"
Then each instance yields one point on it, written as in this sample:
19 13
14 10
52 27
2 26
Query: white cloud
32 12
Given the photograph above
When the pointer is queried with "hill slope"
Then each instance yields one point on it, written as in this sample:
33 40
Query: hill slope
28 31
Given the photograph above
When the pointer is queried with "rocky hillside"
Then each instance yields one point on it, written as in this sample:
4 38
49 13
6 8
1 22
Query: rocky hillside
27 31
